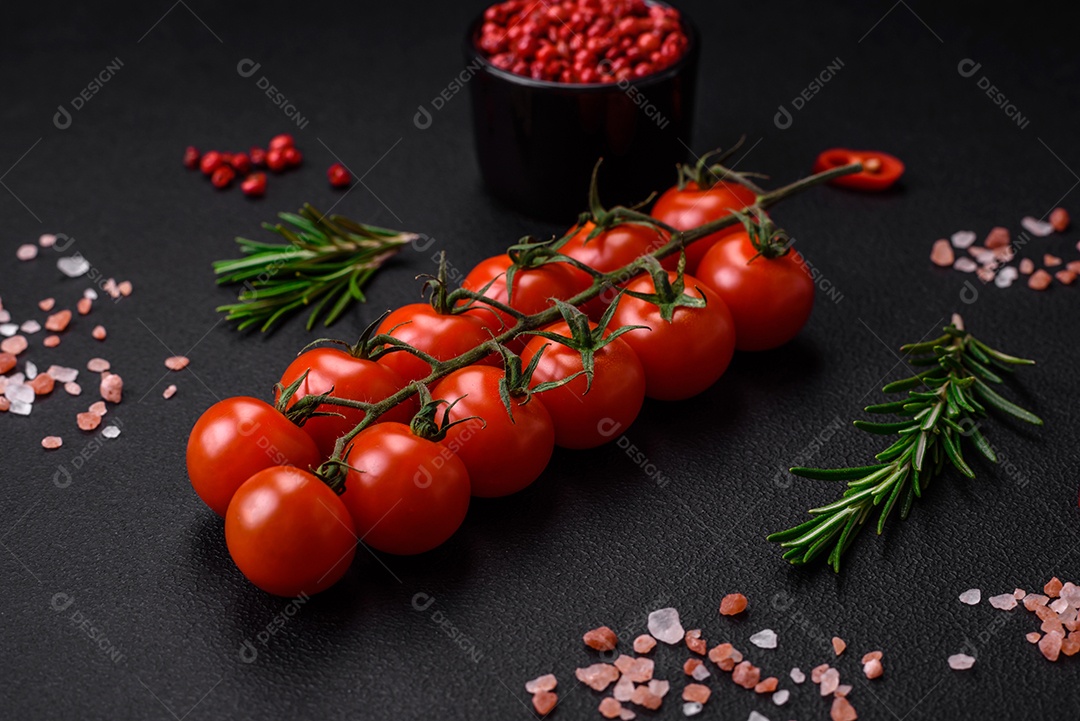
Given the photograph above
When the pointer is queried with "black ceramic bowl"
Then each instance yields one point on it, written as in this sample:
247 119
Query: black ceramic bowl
537 141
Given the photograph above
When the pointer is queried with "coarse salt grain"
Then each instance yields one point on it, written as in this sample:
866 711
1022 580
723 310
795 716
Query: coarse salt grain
7 362
961 662
84 305
73 265
62 373
1019 594
170 391
14 345
624 689
90 293
601 639
797 675
4 404
696 692
52 442
124 288
1027 266
642 644
30 327
1006 276
659 687
664 626
610 708
51 341
87 421
746 674
767 685
544 702
547 682
838 645
73 389
873 668
597 676
98 407
42 384
26 252
112 387
985 273
644 697
733 604
99 332
1039 280
1065 277
110 432
638 670
9 329
971 597
20 408
1033 637
1059 605
30 370
965 265
830 681
695 642
1005 601
963 238
691 708
1051 261
1038 228
997 237
765 638
47 240
1050 645
58 322
1059 219
781 697
97 365
842 710
755 716
941 254
46 304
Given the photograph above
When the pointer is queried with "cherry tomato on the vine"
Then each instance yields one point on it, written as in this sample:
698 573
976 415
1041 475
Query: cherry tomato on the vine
532 292
406 494
770 299
289 533
684 356
691 206
880 170
440 335
236 438
502 455
588 419
354 378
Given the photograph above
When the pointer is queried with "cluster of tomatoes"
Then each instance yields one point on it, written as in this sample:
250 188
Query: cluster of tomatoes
582 41
488 429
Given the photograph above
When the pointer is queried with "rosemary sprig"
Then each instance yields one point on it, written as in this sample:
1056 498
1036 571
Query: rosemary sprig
323 265
938 415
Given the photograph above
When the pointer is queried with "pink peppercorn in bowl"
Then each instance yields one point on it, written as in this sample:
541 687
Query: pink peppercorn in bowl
538 138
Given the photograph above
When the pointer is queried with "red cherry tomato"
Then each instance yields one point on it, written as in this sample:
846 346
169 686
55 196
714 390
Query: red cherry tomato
406 494
288 533
682 357
533 289
880 170
770 299
588 420
504 455
691 207
235 439
351 377
443 336
609 251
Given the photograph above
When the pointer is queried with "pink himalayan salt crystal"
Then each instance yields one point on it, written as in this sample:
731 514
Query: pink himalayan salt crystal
179 363
644 697
746 674
47 240
971 597
1073 265
733 604
817 672
601 639
88 421
624 689
659 687
838 645
692 665
1034 600
51 341
725 656
664 626
544 702
961 662
842 710
125 288
768 685
72 388
843 689
1070 645
46 304
30 327
98 407
963 239
627 715
1039 280
598 676
1050 645
941 254
1071 593
547 682
642 644
638 670
1004 254
171 391
1005 601
58 322
99 332
697 693
26 252
97 365
1038 228
1019 594
51 442
830 681
1059 605
873 668
781 697
1033 637
112 387
1052 625
797 675
84 305
695 642
997 237
985 273
14 345
1027 266
765 638
610 708
1065 277
965 265
5 404
1051 261
1053 587
1059 219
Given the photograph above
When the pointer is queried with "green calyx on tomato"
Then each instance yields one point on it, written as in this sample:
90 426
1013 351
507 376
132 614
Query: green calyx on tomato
427 424
584 339
768 240
710 170
670 294
304 408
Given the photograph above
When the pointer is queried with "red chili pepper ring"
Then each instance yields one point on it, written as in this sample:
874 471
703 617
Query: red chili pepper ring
880 170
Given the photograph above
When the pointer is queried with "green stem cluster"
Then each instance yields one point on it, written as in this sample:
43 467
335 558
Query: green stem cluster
939 413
